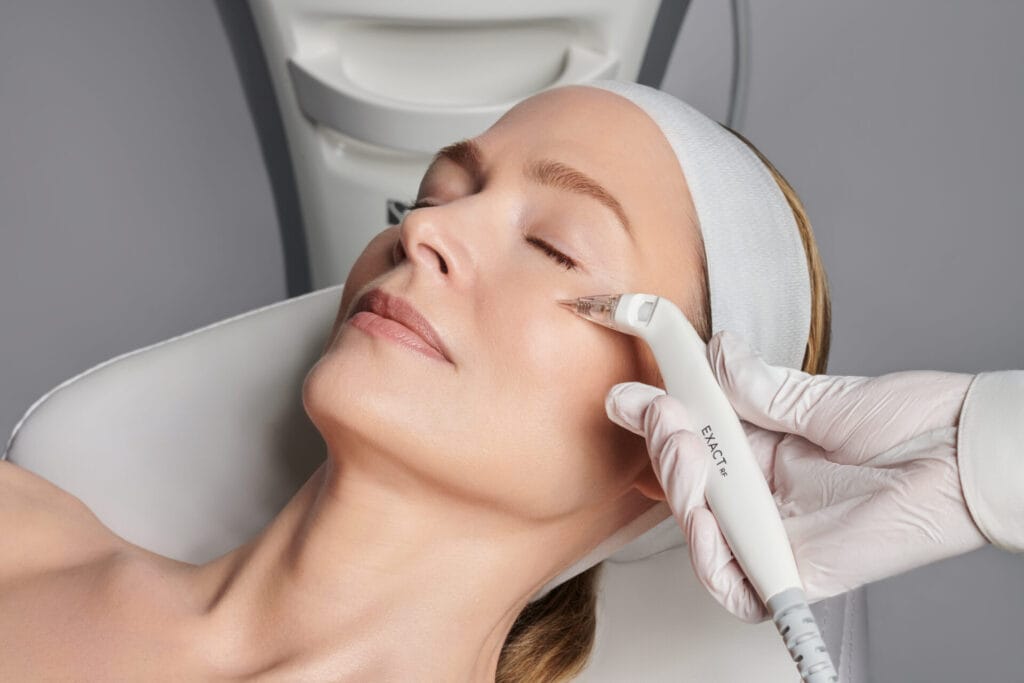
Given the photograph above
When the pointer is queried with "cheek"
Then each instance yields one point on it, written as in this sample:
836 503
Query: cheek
371 264
375 260
553 377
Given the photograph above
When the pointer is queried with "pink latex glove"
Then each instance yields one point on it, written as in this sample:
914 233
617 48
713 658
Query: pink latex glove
863 470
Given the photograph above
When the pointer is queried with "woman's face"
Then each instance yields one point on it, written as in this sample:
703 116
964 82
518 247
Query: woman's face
516 420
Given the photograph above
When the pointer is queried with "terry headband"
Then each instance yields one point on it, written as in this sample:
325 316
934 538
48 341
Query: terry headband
758 279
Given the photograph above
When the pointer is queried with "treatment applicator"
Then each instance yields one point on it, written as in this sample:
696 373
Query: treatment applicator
736 490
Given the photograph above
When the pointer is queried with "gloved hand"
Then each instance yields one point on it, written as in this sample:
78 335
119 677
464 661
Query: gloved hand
863 470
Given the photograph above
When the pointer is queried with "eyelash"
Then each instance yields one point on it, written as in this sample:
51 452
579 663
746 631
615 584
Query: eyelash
558 256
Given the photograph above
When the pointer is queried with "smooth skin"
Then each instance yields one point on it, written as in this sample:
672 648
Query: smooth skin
451 491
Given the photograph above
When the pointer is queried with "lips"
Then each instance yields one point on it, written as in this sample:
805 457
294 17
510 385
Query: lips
401 311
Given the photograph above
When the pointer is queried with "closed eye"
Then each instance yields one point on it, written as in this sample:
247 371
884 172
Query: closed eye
553 253
558 256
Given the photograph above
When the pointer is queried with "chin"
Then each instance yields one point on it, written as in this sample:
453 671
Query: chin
362 393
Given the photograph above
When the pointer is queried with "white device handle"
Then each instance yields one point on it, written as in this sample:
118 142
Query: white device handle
737 491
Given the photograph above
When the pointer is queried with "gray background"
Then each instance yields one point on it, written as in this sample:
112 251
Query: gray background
136 204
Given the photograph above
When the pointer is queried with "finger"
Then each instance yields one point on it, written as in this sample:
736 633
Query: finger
664 417
884 415
677 454
764 444
679 461
805 481
681 465
854 416
831 545
718 570
779 398
626 402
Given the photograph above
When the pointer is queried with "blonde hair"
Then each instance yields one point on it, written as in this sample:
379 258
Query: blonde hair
552 638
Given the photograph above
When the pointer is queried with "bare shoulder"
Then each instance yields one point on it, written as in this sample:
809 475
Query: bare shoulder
43 527
119 612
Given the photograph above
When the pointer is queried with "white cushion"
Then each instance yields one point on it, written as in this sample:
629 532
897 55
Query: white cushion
190 446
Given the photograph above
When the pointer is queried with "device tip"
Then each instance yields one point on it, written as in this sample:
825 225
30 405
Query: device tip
599 308
569 304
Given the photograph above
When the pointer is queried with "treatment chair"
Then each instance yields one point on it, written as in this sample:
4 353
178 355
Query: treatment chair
190 446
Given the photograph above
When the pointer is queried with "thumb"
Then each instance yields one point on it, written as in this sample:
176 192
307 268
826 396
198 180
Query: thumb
626 402
773 397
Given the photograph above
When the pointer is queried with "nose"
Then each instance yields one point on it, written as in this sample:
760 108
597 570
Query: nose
426 237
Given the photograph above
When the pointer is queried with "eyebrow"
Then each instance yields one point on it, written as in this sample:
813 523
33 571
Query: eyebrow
546 172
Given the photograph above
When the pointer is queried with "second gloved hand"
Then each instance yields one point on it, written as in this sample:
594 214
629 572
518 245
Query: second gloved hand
863 470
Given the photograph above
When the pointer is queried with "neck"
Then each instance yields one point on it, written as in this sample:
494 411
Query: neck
367 575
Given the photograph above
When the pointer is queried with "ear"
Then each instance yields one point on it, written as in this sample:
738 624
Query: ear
647 483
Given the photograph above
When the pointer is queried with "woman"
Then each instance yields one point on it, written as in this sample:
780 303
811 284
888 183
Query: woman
459 481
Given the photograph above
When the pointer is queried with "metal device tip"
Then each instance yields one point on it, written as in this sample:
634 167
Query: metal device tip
571 304
599 309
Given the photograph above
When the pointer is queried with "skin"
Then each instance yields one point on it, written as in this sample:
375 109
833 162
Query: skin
452 491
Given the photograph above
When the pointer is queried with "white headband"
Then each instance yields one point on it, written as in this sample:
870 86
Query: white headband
758 280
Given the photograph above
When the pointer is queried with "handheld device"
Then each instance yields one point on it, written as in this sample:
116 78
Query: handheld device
737 491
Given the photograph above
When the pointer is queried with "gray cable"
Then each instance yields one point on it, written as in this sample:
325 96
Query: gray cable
740 65
796 624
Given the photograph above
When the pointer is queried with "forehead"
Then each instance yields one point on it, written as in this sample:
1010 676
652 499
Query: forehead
595 124
614 141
